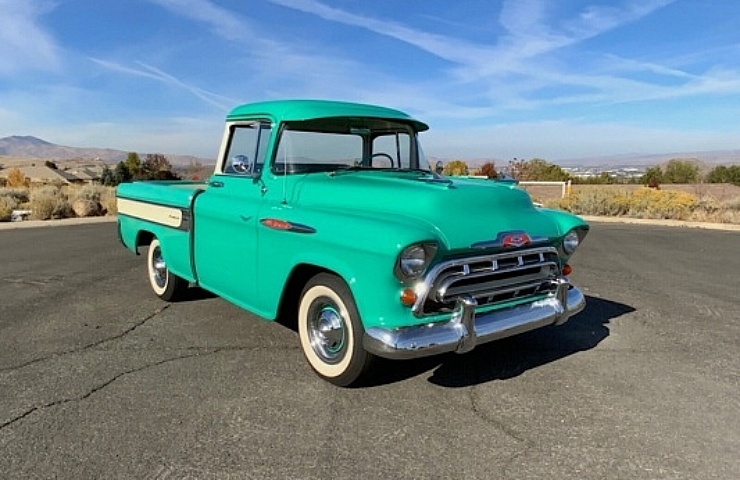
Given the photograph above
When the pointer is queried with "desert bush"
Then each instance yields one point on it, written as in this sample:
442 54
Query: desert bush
661 204
109 202
19 195
710 210
640 203
596 201
7 205
16 178
91 192
50 202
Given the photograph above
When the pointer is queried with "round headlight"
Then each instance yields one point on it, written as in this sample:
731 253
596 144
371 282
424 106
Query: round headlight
413 260
570 242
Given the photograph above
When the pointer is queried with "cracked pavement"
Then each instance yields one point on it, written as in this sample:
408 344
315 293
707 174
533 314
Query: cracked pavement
100 379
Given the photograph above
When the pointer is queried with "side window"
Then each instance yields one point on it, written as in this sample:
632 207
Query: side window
392 150
247 149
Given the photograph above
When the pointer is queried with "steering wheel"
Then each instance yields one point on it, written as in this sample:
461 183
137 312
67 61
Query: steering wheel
390 159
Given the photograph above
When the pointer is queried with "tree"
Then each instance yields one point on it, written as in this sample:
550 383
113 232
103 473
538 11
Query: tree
723 174
653 177
16 178
538 170
51 165
133 165
489 170
121 173
681 171
107 177
456 168
157 167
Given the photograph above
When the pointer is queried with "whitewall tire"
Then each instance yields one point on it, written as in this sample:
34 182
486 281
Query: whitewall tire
166 285
331 331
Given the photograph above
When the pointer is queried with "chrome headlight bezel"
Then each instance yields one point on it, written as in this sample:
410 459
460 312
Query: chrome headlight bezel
413 261
571 240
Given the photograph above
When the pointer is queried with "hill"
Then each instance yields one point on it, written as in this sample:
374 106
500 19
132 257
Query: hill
20 149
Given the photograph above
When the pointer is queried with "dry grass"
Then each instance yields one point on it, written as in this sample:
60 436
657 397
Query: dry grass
717 203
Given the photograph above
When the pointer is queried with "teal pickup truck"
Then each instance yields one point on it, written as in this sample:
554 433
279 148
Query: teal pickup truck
328 213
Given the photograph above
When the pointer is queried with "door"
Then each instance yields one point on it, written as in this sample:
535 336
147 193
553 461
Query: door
226 216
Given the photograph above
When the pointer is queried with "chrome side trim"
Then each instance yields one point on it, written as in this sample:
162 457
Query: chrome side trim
464 331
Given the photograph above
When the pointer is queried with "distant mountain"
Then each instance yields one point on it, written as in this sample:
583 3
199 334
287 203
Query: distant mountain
19 146
710 158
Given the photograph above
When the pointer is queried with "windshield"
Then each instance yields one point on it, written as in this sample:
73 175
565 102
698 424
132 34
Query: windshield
332 144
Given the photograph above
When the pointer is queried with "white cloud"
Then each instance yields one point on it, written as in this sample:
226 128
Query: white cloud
153 73
221 21
24 44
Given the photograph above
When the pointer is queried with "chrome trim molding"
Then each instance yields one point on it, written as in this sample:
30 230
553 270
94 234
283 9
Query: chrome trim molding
464 331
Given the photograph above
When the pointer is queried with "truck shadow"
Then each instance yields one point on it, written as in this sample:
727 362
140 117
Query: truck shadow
512 356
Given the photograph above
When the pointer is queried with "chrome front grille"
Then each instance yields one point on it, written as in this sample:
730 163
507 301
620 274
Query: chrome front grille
490 279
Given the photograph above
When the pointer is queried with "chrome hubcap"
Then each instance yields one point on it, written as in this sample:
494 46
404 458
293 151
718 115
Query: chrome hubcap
327 334
159 268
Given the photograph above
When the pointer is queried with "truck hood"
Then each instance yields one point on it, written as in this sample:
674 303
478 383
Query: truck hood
459 212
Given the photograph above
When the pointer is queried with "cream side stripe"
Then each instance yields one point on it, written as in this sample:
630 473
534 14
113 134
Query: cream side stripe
172 217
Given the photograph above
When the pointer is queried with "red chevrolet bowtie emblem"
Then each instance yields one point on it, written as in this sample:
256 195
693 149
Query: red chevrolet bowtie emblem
515 240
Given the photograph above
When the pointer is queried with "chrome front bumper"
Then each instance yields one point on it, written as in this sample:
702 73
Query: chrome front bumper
465 330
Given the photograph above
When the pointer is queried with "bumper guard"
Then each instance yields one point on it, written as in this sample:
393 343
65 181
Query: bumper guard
465 330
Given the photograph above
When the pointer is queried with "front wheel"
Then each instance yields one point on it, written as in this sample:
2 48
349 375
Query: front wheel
331 332
166 285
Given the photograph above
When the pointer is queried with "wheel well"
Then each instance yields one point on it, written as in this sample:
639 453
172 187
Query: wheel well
143 239
298 278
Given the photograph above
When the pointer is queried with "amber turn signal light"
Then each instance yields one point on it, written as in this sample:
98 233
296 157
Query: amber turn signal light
567 269
408 297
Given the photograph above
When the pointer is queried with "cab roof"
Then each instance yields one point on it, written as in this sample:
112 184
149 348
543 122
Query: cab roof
297 110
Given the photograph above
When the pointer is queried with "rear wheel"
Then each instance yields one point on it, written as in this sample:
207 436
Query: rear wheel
166 285
331 332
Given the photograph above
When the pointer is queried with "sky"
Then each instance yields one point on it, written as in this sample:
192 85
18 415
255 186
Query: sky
498 79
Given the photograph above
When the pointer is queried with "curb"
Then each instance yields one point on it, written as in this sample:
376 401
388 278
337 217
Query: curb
55 223
728 227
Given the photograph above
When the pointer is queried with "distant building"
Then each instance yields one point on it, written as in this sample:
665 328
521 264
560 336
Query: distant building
46 175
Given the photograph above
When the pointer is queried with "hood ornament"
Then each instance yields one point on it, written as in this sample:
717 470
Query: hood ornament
511 239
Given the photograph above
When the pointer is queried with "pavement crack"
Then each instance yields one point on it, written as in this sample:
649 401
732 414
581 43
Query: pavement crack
99 387
90 345
33 282
494 422
526 444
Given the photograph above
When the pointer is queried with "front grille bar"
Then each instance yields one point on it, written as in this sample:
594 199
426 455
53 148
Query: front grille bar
488 278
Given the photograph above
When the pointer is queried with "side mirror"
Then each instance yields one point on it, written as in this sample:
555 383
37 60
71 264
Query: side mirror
241 164
439 167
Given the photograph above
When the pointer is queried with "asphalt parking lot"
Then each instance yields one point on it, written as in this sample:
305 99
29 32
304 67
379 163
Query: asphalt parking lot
100 379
